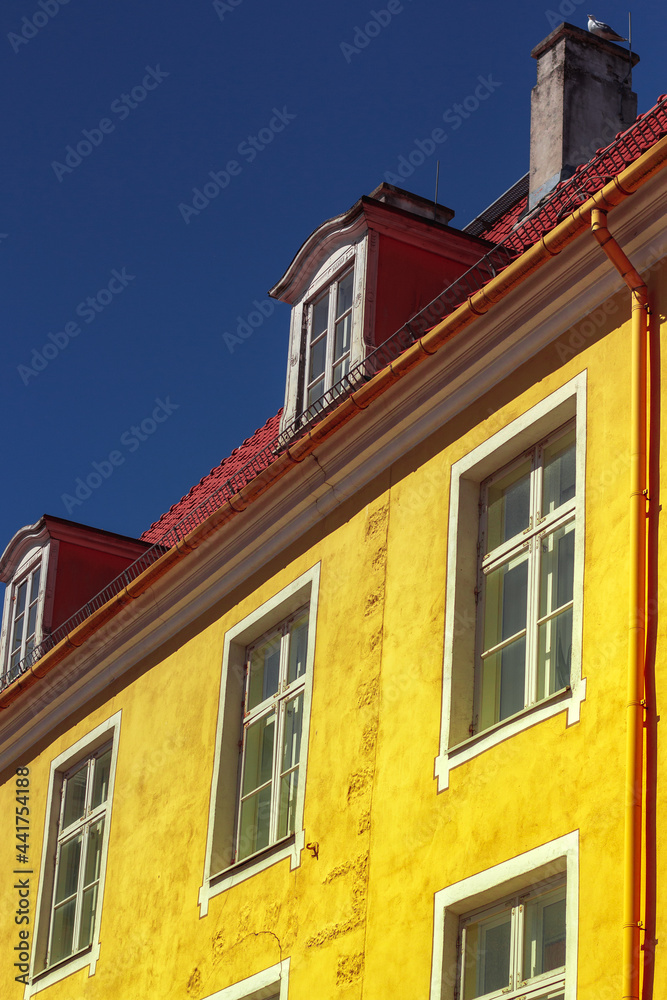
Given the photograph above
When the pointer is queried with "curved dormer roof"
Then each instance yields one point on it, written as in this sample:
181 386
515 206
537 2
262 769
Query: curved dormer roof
343 230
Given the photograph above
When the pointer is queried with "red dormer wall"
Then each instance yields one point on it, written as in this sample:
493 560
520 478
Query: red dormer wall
408 278
81 573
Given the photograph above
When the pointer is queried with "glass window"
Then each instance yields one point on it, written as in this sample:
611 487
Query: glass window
526 580
519 943
83 807
272 727
24 626
329 338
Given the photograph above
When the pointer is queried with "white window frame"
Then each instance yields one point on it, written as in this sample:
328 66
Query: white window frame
543 985
265 985
35 559
517 877
331 292
275 704
526 544
43 975
361 255
221 871
78 828
458 742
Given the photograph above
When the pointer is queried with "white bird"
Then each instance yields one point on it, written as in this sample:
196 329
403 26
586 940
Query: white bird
603 30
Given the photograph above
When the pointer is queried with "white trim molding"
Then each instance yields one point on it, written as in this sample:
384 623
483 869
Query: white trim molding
219 874
40 976
457 744
272 982
557 857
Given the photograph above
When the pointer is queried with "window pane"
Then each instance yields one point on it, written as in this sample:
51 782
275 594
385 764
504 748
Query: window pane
508 506
94 853
101 779
75 796
503 683
18 633
298 647
88 905
487 955
292 735
342 336
555 654
341 370
32 619
345 288
544 940
289 784
34 590
318 357
557 569
258 753
264 670
63 928
505 604
559 472
316 392
68 869
254 825
320 316
20 598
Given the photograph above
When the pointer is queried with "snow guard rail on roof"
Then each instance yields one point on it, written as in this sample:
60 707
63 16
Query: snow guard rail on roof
587 179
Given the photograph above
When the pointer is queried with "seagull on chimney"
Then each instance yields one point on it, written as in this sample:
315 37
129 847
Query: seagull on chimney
603 30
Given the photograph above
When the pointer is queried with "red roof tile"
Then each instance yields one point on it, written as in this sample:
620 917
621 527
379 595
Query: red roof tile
214 481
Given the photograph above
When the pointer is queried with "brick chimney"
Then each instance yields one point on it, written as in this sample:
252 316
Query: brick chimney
582 98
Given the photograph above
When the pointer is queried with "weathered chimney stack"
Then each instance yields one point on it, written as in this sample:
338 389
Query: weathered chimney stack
582 98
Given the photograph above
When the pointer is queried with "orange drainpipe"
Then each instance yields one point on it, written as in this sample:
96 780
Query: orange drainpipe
632 860
550 245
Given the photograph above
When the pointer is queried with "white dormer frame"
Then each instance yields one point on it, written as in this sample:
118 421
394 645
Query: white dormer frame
28 551
333 267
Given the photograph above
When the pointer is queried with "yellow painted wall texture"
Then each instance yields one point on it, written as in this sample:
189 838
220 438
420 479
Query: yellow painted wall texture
358 920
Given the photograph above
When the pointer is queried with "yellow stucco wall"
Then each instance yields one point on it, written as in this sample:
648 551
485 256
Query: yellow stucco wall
358 920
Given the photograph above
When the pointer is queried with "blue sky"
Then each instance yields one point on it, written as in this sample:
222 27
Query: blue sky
116 113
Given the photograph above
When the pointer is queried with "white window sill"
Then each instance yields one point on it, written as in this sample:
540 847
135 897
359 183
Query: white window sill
291 847
55 973
568 699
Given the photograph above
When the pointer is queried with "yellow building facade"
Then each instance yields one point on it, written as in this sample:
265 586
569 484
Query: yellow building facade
362 731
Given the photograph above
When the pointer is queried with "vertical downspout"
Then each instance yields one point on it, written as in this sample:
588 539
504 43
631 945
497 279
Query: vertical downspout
636 625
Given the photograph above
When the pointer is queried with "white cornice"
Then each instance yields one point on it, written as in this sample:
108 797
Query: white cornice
545 305
26 538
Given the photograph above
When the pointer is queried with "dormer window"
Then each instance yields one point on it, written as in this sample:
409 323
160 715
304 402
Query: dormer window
51 569
329 337
24 623
353 284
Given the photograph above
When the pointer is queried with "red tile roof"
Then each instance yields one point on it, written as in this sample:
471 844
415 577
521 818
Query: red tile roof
257 451
214 481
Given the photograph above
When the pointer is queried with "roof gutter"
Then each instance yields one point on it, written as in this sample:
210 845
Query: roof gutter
478 304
